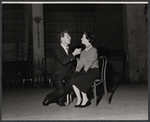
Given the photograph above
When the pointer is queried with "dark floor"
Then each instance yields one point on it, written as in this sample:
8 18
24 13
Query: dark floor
129 102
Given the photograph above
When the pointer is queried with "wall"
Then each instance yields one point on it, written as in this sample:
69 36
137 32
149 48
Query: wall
15 21
110 26
110 38
137 42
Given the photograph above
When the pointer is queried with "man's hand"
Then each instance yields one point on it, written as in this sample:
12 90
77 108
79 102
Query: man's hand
75 74
84 71
77 51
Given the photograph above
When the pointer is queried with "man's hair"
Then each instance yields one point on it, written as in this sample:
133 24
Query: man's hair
62 34
90 36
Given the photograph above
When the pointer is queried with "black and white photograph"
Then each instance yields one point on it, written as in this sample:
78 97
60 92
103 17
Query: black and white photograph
74 61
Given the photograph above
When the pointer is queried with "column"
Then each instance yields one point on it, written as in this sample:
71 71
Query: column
132 42
38 41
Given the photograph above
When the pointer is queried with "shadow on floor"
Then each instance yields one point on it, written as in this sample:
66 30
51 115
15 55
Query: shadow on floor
100 92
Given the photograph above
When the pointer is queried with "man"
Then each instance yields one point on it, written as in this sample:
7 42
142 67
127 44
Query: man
63 60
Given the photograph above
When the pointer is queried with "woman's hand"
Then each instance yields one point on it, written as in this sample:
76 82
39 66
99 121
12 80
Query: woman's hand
77 59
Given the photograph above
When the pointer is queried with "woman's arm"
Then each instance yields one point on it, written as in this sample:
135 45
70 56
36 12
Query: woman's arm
92 58
79 66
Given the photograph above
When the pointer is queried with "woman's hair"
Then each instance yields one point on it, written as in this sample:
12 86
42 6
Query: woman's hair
90 36
62 34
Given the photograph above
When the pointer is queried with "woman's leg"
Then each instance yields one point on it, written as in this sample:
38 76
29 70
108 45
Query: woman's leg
85 98
77 92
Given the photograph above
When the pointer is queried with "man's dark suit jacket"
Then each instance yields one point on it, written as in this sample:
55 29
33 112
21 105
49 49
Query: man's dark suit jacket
62 63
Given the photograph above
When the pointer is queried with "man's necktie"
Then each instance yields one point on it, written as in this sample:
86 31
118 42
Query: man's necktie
67 50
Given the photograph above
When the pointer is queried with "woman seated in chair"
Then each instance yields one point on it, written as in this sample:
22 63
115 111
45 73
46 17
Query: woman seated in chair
87 70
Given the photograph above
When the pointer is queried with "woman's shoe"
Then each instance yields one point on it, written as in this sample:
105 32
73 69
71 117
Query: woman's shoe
78 105
87 104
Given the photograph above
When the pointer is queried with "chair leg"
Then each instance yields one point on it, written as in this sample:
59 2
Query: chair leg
67 99
95 97
70 98
105 91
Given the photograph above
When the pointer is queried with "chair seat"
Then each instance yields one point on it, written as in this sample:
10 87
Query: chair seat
98 82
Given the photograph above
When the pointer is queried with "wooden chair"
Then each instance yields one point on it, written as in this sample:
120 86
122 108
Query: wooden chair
68 96
69 99
102 79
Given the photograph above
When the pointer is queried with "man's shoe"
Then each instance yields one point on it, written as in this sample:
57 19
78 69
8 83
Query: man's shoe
47 101
60 104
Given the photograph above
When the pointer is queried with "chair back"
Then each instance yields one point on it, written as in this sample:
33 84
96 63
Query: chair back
103 68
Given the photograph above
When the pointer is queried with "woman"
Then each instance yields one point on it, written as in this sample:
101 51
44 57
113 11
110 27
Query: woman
87 70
